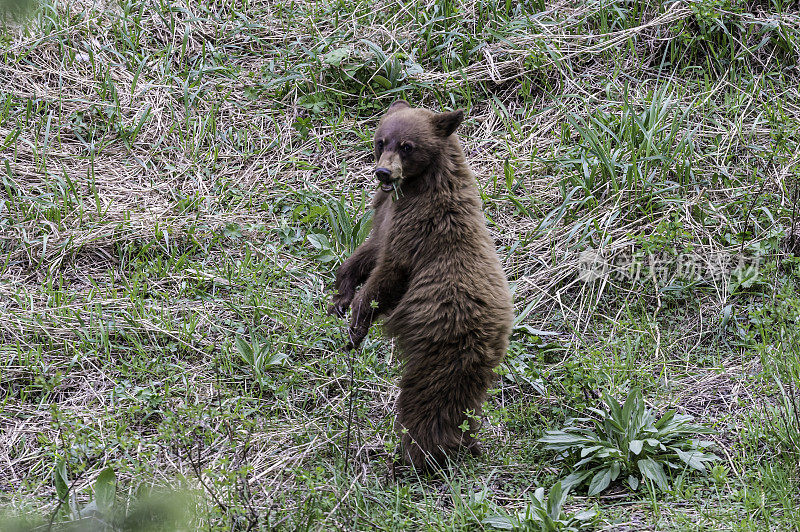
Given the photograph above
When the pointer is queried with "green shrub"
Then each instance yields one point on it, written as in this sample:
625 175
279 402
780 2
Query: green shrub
543 514
628 441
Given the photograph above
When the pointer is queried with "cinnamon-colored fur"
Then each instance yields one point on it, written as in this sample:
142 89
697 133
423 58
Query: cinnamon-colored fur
429 267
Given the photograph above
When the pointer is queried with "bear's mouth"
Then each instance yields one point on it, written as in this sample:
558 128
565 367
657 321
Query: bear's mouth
388 187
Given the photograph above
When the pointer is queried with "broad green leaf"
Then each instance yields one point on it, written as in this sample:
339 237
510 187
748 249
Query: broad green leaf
547 523
585 515
589 450
319 241
90 509
635 446
665 419
325 257
334 215
231 230
382 81
362 229
600 481
613 405
654 471
615 468
695 459
633 482
557 437
413 68
335 57
105 490
602 414
60 480
633 401
574 479
244 349
499 522
612 423
609 452
275 359
251 93
555 500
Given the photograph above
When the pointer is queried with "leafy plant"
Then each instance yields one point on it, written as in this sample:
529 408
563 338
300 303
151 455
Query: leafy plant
643 154
149 509
349 232
629 440
101 505
543 514
61 483
346 233
259 356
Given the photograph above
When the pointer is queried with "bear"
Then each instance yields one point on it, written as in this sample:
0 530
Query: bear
430 269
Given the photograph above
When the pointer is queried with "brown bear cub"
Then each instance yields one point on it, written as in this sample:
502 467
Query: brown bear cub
429 267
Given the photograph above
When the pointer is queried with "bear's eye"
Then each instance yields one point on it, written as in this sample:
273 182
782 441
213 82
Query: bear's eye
379 144
406 148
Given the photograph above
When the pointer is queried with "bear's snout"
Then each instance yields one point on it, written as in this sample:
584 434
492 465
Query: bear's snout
383 174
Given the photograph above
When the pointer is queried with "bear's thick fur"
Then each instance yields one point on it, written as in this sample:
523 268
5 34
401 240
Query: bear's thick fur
430 268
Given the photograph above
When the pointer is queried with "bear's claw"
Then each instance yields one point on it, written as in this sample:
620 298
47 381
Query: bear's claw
336 310
356 336
339 306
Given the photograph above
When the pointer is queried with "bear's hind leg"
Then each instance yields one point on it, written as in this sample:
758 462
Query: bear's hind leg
434 404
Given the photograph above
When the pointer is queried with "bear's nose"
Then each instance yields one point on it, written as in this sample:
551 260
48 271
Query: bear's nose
383 174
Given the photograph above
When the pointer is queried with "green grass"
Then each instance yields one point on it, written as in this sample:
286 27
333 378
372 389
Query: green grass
178 182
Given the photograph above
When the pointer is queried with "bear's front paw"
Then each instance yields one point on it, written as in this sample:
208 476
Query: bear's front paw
356 335
339 305
336 309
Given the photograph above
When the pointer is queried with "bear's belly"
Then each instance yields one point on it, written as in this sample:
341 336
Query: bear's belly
466 312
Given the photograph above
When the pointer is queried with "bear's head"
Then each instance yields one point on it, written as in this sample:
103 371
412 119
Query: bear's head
409 140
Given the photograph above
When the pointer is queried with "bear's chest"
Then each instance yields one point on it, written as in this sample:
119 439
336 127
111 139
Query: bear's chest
409 228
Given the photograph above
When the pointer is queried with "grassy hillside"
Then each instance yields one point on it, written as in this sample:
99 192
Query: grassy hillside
179 180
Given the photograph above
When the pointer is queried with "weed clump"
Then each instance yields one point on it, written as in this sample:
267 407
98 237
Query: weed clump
628 441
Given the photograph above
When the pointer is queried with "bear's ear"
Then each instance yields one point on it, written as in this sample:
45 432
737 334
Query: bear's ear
445 124
396 106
